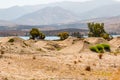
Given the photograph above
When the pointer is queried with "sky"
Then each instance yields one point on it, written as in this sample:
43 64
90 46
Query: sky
10 3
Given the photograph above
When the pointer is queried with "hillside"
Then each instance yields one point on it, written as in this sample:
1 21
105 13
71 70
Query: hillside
15 12
7 23
112 24
83 7
5 32
104 11
48 15
78 8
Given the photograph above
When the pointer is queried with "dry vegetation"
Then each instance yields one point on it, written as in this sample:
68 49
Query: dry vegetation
70 59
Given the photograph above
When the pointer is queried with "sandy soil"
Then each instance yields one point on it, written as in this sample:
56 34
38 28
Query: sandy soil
70 59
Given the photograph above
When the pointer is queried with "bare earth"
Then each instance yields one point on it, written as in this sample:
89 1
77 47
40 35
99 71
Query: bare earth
70 59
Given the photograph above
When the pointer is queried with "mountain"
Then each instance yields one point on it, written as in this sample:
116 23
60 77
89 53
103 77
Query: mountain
63 15
75 7
48 15
7 23
16 12
104 11
82 7
112 24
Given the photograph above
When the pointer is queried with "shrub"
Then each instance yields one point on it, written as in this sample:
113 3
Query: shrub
88 68
100 48
75 62
94 48
11 40
36 34
100 56
106 47
34 57
41 36
77 34
63 35
106 36
2 52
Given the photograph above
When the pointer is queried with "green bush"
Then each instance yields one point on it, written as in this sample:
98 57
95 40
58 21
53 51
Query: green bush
36 34
41 35
11 40
106 47
63 35
94 48
100 48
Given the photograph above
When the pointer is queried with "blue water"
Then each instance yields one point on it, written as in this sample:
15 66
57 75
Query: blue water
47 38
116 35
112 36
55 37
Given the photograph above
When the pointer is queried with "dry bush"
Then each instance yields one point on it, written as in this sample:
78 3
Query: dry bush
75 62
11 40
88 68
100 56
2 52
34 57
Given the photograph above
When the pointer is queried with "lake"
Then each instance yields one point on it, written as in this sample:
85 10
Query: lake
112 35
47 38
54 37
116 35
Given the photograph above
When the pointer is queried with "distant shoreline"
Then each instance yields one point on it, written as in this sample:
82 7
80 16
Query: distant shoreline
52 37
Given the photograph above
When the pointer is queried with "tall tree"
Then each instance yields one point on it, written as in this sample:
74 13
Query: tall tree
36 34
97 30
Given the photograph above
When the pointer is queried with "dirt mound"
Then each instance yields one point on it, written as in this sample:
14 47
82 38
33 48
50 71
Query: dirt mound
64 62
115 42
58 67
7 39
46 45
95 40
14 45
91 41
75 46
69 41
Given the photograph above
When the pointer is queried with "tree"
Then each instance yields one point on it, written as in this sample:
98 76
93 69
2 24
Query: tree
41 36
36 34
77 34
63 35
97 30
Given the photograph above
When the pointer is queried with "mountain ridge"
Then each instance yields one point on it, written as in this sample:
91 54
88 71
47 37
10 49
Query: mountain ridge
75 7
48 15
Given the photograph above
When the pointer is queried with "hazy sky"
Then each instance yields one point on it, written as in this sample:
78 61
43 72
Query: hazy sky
9 3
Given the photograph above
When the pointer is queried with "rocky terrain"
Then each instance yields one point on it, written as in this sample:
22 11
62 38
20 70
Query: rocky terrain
70 59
